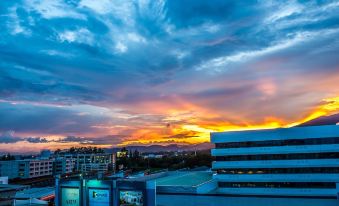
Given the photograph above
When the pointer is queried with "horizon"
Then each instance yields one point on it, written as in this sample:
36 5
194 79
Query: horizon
118 73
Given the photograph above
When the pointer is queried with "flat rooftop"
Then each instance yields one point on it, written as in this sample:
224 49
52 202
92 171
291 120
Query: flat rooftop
36 192
189 179
7 187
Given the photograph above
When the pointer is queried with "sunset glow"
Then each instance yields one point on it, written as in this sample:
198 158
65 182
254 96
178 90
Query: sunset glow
116 73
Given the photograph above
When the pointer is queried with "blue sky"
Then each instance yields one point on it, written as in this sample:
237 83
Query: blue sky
139 72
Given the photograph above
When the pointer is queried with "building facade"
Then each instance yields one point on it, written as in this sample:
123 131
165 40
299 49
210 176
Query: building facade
63 165
35 168
9 169
293 162
91 162
29 168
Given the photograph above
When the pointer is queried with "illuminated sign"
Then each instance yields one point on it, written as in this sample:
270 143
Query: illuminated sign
131 198
70 197
98 197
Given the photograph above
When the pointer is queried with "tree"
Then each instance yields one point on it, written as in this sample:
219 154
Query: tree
136 154
58 151
7 157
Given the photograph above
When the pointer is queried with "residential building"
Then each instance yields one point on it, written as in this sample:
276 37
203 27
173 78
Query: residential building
37 167
45 154
63 165
29 168
9 169
91 162
99 167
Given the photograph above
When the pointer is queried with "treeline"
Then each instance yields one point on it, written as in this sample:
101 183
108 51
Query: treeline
81 150
191 160
7 157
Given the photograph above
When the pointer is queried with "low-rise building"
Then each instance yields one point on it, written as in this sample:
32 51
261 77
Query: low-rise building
9 169
91 162
63 165
29 168
37 167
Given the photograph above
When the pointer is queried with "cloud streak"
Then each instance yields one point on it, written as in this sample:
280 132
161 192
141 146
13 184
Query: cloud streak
121 72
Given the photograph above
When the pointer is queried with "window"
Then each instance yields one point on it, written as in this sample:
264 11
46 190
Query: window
273 143
326 155
279 184
306 170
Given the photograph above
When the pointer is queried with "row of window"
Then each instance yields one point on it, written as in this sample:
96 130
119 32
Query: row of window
280 170
40 173
272 143
41 168
278 184
40 163
326 155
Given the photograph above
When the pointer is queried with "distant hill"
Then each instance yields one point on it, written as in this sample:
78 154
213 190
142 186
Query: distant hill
324 120
166 148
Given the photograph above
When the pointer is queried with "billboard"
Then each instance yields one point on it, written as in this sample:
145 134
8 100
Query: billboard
70 196
131 198
98 197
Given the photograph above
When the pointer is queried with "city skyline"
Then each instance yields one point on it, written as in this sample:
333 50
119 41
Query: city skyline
111 73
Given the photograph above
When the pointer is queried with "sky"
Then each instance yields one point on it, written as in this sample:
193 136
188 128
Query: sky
117 72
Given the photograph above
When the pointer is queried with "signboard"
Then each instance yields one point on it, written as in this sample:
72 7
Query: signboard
70 196
131 198
98 197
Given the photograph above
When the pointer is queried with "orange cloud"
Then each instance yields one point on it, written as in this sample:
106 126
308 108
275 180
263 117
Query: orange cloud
202 128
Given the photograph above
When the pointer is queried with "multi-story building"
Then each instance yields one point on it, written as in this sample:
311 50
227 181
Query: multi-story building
91 162
293 162
63 165
29 168
35 168
100 167
9 169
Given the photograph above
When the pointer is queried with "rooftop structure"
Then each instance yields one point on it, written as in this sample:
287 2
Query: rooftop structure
185 179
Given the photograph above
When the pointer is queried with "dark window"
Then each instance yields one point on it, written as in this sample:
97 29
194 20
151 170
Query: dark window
279 184
273 143
306 170
327 155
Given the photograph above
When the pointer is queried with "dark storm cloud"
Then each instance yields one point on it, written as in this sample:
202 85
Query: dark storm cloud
52 119
9 137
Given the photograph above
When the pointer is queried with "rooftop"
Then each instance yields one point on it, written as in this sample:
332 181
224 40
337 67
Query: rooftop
6 187
36 193
190 179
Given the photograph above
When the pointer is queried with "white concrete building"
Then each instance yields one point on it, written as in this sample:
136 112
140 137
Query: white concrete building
292 162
